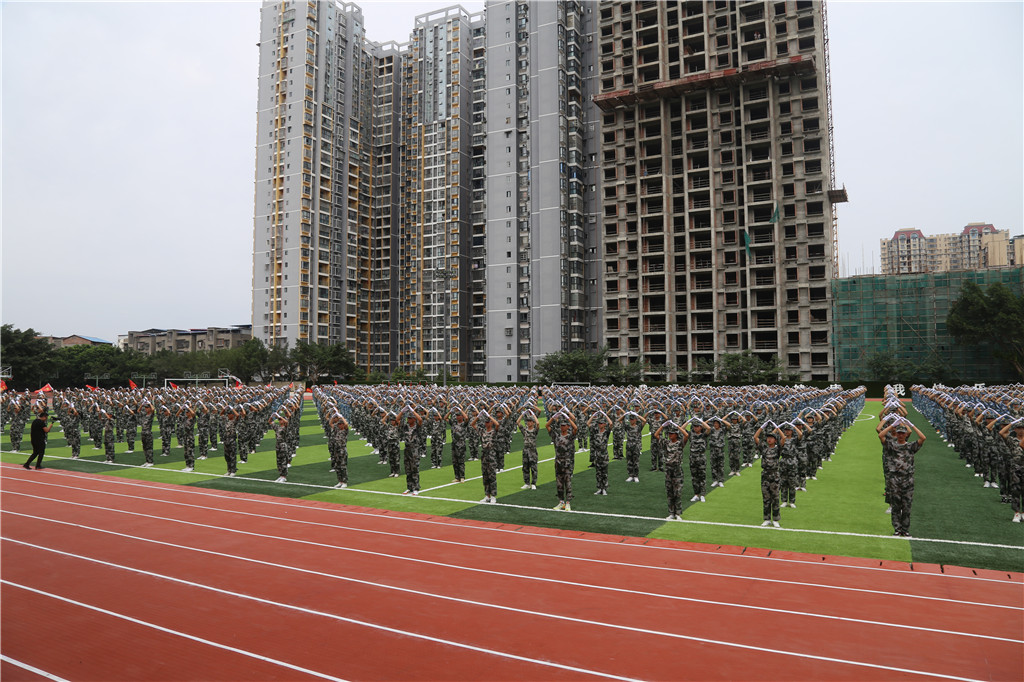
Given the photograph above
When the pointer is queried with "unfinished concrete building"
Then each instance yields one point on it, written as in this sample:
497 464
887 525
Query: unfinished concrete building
718 184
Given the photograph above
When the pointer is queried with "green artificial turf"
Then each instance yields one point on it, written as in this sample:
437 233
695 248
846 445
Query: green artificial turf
841 513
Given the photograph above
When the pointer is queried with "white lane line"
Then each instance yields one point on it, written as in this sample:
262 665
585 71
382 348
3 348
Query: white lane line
459 567
32 669
405 536
575 620
189 491
301 609
161 628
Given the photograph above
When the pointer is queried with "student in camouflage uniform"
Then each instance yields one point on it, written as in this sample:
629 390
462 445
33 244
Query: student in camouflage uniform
789 465
460 426
716 448
488 426
19 417
770 451
673 464
735 443
229 424
562 428
165 418
634 445
337 445
655 418
109 433
281 448
1013 433
186 435
600 424
203 427
903 473
130 424
146 414
412 424
390 438
436 426
71 422
529 426
698 459
618 431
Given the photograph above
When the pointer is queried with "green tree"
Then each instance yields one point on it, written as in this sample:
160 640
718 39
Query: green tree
31 360
746 368
250 360
631 374
992 316
571 365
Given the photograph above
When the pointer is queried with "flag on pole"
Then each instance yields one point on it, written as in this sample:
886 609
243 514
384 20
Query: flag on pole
46 389
132 384
3 385
238 384
91 388
172 384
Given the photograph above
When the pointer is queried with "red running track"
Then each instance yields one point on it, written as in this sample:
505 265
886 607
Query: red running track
114 579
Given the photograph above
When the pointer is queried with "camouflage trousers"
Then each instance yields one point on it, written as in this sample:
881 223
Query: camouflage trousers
339 462
633 459
489 471
617 443
599 455
412 467
230 457
564 463
789 479
459 457
657 454
717 463
436 451
674 487
108 446
770 494
1016 486
283 457
530 465
394 462
74 437
698 472
902 496
735 455
147 446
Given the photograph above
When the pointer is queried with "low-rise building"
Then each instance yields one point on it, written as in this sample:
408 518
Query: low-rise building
152 341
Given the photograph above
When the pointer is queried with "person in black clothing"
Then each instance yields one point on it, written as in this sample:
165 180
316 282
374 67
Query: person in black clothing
39 430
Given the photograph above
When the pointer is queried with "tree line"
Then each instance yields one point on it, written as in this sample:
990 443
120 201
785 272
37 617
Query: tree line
34 363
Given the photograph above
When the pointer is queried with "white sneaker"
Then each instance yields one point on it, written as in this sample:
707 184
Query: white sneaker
341 485
185 469
597 492
199 457
533 487
486 500
494 500
695 498
281 479
671 517
604 491
567 507
888 510
776 524
702 499
560 506
407 492
792 505
765 524
1016 517
230 473
146 465
526 486
128 452
415 492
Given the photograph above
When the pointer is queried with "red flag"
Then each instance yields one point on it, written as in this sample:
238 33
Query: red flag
132 384
91 388
3 385
46 389
335 382
270 385
172 384
291 385
238 384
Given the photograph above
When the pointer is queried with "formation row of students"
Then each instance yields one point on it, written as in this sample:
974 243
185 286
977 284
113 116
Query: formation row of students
985 425
239 418
797 429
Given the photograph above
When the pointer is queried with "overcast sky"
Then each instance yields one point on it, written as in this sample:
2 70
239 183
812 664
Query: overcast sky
129 132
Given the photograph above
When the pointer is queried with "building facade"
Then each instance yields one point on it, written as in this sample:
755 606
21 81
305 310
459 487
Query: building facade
717 182
978 246
652 177
905 317
152 341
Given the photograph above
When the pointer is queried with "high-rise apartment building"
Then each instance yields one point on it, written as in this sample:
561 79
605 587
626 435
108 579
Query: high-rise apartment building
543 176
718 221
977 246
541 202
311 238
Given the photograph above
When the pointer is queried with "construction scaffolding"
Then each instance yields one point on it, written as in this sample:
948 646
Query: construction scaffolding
904 316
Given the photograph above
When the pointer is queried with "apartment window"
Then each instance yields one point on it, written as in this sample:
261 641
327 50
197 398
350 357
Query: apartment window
784 107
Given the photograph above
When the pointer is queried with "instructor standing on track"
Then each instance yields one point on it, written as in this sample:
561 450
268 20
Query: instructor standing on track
39 430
